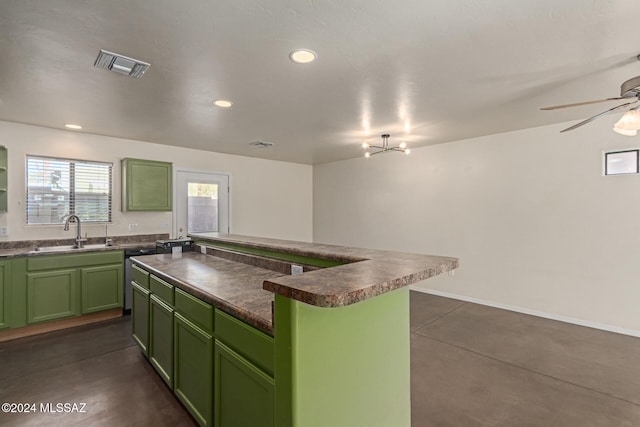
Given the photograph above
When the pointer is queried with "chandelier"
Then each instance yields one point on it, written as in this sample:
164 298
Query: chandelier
402 147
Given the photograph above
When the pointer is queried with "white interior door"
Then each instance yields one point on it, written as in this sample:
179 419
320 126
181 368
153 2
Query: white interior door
202 203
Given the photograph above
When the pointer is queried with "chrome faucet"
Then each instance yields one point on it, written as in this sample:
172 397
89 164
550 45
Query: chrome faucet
79 238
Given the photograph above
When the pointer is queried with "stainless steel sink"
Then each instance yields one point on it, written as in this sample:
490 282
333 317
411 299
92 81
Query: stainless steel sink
65 248
55 248
96 246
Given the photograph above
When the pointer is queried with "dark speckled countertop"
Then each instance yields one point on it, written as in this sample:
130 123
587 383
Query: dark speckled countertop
231 286
368 272
247 291
22 248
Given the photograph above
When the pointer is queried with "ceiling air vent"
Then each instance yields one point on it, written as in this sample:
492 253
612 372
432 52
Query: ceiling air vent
261 144
121 64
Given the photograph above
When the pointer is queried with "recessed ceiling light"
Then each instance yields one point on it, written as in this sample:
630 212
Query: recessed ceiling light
302 56
72 126
223 103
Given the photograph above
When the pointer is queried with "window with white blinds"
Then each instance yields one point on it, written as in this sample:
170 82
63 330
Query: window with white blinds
60 187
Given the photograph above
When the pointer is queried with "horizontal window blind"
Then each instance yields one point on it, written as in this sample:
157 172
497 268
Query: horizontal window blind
57 188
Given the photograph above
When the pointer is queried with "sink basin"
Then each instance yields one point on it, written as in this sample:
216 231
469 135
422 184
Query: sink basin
64 248
55 248
96 246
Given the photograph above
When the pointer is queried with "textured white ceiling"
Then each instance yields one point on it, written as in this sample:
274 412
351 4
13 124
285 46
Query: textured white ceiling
425 71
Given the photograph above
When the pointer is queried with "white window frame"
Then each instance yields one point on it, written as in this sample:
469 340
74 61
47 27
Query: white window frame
73 193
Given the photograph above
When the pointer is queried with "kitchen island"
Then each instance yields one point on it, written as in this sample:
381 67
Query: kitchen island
331 344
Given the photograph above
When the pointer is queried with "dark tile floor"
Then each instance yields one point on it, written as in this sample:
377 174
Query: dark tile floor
471 366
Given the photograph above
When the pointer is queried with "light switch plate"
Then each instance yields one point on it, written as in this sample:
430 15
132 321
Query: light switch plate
296 269
4 231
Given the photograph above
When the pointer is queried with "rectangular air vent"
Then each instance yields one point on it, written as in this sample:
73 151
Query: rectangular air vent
261 144
121 64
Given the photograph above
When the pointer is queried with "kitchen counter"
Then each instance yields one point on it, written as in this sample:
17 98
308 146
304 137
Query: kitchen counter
339 346
234 287
22 248
246 291
365 274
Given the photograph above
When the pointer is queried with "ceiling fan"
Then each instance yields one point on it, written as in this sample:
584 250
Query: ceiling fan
629 90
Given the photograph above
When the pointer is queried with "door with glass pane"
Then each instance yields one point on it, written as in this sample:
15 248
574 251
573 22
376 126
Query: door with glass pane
202 203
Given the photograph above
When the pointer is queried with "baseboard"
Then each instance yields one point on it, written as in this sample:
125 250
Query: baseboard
522 310
41 328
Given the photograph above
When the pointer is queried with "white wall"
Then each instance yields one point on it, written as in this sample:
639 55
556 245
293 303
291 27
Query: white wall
535 224
260 189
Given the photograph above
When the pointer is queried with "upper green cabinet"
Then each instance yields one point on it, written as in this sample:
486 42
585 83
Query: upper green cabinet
3 178
146 185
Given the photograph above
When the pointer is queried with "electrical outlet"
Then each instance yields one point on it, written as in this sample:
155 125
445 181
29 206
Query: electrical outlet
452 272
203 250
296 269
133 227
4 231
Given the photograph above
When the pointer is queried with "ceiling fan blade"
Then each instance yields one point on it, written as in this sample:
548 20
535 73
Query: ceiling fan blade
592 118
577 104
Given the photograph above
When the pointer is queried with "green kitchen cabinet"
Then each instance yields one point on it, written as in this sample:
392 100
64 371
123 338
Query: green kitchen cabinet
243 394
161 338
140 316
140 276
219 367
37 288
250 343
146 185
51 295
193 369
67 285
101 287
243 373
4 163
5 293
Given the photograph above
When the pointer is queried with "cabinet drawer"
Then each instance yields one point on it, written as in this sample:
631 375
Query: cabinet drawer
161 289
194 309
49 262
140 276
252 344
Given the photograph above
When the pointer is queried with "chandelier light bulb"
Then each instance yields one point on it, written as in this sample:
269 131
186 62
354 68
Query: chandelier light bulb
407 151
367 154
365 145
403 145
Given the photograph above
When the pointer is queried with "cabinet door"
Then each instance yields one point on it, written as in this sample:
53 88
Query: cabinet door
161 338
5 293
101 288
51 295
147 185
3 178
193 369
243 394
140 316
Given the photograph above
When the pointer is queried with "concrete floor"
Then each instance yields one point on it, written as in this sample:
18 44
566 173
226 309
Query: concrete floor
471 366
